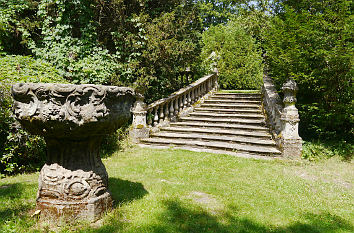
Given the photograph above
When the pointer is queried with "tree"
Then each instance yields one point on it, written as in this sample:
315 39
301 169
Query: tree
236 54
312 42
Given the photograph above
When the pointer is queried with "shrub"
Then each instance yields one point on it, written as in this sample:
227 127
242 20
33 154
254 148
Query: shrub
236 56
20 151
312 42
317 150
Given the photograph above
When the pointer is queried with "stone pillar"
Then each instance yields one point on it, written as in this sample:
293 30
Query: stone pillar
291 142
72 119
139 128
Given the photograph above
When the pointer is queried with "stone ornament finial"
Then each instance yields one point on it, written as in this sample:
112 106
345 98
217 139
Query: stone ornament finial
72 119
289 89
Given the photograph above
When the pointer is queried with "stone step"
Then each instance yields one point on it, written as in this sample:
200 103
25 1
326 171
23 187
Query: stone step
218 131
226 110
219 126
224 120
232 106
213 137
243 154
222 97
226 115
228 101
232 95
236 147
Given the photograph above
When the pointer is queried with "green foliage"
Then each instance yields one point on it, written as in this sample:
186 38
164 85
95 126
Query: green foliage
172 46
18 20
70 42
317 150
27 69
236 55
312 42
157 41
20 151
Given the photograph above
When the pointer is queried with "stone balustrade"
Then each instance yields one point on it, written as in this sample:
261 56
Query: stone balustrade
166 110
282 116
72 119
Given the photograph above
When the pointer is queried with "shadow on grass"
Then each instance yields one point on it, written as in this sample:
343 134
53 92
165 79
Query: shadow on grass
125 191
11 197
178 217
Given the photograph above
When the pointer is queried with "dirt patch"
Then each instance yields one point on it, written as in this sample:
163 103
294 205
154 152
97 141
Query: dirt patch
304 175
211 204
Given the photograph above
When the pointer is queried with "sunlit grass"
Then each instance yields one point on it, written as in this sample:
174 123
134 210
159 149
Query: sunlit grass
182 191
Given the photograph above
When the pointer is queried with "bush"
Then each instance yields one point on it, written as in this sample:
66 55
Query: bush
317 150
312 42
20 151
236 56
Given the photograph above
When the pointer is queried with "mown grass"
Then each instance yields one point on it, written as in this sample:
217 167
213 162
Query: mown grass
182 191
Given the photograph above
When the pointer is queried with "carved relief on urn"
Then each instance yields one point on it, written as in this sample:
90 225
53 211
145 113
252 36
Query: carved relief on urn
72 119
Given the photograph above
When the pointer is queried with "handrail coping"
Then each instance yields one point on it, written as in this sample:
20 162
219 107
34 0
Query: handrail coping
180 91
272 93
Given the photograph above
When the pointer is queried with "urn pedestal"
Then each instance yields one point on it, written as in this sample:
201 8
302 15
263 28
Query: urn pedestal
72 119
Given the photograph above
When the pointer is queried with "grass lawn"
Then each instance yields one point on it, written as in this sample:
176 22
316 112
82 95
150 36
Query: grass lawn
182 191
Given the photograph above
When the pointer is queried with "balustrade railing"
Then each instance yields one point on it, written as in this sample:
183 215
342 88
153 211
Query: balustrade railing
282 116
169 109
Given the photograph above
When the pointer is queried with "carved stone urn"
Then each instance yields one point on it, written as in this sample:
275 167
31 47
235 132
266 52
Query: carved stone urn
72 119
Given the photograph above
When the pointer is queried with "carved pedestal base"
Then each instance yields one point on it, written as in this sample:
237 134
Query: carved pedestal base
74 182
291 148
90 210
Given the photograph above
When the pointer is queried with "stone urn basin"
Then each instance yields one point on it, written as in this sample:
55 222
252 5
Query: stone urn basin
72 119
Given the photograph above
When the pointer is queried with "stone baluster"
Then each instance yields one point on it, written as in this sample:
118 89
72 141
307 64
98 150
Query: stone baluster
161 117
192 96
156 116
185 100
291 141
149 118
181 105
176 107
189 99
172 110
167 113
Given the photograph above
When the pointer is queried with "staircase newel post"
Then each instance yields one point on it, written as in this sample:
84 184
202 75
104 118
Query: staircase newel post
290 140
139 128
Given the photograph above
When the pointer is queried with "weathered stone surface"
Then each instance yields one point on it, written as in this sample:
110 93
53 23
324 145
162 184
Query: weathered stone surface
291 141
283 118
72 118
239 134
139 127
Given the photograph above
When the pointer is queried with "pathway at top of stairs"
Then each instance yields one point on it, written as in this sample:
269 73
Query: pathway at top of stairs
227 123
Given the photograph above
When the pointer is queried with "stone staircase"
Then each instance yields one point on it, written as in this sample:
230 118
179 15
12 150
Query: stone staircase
226 122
